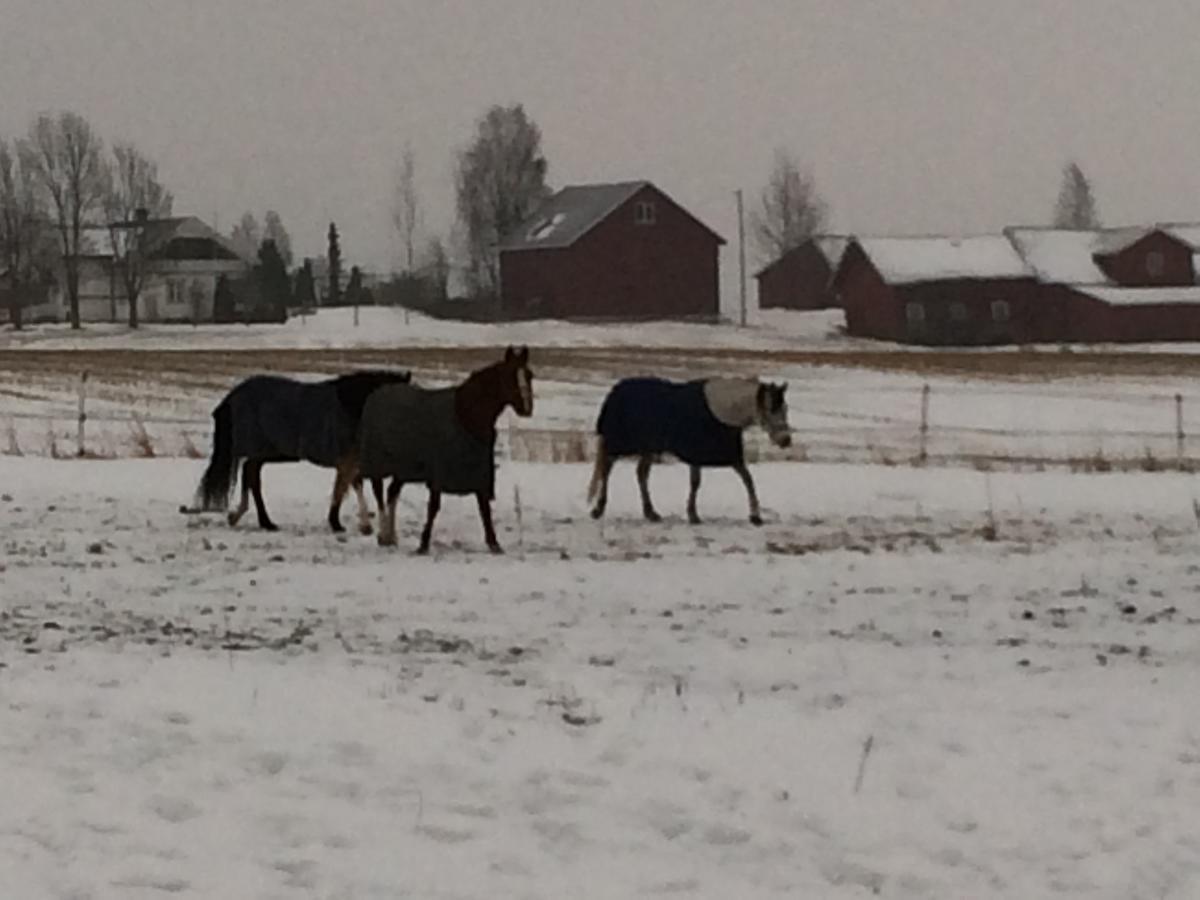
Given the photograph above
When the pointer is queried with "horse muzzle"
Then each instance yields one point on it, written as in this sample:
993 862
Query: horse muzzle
781 439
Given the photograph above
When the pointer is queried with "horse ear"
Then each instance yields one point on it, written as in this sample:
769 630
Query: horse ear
783 389
523 355
509 354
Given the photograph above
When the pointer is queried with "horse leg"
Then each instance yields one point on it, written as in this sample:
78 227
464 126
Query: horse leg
364 512
235 515
755 512
253 474
435 504
693 516
643 479
341 482
387 510
489 530
604 467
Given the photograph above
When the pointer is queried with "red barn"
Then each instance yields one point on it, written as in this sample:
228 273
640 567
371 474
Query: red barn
618 251
803 277
941 290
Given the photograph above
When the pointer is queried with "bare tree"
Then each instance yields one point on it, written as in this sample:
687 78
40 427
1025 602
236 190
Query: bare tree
273 230
791 210
406 207
71 170
134 191
436 268
25 237
247 236
500 181
1076 206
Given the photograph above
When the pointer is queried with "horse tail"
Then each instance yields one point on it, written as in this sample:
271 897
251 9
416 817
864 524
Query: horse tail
217 480
597 470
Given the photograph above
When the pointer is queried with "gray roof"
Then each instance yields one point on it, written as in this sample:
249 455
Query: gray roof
569 214
574 211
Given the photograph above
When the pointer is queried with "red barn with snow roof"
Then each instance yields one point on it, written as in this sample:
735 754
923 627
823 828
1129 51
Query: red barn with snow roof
611 251
940 290
802 278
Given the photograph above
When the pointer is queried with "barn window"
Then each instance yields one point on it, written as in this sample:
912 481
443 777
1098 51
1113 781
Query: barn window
915 313
1001 311
1155 264
958 312
644 213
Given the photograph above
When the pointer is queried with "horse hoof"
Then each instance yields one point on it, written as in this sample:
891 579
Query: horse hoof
423 550
694 520
597 513
496 549
653 517
387 540
336 527
232 519
366 529
756 520
268 526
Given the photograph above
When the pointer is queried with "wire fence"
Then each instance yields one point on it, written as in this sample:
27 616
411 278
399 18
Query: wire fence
1141 430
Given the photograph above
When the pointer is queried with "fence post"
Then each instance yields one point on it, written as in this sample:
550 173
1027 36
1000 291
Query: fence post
923 455
1179 435
80 433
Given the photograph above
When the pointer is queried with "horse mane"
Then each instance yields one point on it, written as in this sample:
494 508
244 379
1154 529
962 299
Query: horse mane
354 389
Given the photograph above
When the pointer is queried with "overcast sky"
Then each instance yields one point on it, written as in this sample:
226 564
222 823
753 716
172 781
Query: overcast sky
914 116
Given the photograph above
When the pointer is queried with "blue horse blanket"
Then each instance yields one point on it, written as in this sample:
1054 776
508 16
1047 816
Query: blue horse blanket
653 415
277 418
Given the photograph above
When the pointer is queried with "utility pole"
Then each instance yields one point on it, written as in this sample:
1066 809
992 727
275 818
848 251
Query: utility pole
741 258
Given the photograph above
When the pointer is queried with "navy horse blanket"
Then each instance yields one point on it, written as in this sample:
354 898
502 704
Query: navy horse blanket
414 434
280 419
654 416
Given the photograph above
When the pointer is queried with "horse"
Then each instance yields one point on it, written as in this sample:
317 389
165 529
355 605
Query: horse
699 422
443 438
271 418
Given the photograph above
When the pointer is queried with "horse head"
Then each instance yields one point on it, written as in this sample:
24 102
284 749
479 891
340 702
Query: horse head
772 414
517 381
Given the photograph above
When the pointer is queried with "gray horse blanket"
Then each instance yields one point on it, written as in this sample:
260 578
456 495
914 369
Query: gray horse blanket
653 416
277 418
414 434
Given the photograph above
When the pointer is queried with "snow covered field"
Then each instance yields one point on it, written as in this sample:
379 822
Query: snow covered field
868 696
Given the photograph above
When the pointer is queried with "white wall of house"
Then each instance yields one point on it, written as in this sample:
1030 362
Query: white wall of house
172 291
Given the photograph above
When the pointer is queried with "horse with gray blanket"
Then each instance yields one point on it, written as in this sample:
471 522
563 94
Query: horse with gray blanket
270 418
699 422
443 438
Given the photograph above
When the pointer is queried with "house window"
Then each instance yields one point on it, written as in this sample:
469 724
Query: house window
1001 311
915 313
1155 264
644 213
958 312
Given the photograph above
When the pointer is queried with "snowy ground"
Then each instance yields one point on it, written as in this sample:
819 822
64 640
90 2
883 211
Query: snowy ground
606 711
389 327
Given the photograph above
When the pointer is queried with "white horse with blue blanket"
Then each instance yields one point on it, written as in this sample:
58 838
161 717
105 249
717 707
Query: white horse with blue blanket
699 422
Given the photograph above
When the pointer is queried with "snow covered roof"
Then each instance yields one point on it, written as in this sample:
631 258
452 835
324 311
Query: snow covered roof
1125 296
830 246
902 260
1061 255
571 213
